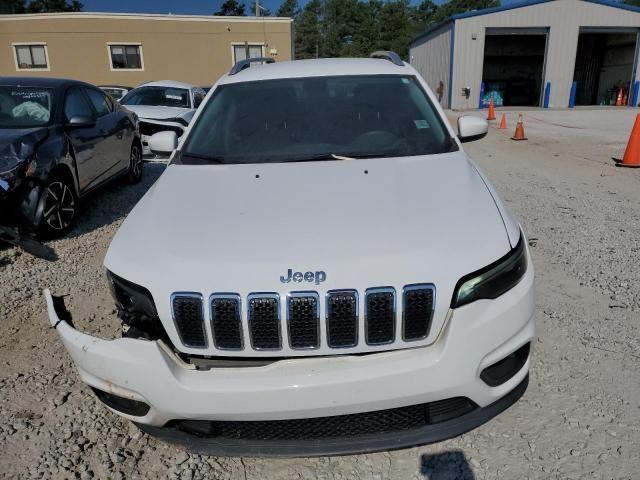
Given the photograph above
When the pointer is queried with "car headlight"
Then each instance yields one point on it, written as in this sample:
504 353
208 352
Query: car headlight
493 280
13 158
134 303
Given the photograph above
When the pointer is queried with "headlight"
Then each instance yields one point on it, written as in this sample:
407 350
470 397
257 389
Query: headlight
13 158
493 280
135 304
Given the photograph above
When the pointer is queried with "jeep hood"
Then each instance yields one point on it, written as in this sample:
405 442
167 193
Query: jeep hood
366 223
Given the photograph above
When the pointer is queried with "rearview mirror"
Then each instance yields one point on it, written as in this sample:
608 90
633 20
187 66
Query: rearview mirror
163 143
471 128
80 121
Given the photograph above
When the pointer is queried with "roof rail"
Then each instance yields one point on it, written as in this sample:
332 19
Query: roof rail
393 57
242 64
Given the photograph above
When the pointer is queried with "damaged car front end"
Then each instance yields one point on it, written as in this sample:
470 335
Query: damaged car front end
20 176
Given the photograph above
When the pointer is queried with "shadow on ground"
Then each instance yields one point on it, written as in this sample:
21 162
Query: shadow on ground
446 466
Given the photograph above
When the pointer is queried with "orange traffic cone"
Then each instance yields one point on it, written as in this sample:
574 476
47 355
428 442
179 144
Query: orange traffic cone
519 135
632 153
503 122
492 111
619 98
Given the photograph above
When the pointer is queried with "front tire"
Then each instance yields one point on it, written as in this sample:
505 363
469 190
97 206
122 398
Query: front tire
134 175
59 208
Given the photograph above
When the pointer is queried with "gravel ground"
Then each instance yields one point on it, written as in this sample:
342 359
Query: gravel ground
580 417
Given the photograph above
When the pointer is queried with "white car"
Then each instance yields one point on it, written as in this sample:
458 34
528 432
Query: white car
330 272
116 91
163 106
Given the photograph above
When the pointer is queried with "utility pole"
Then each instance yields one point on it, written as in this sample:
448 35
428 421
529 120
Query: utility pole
257 8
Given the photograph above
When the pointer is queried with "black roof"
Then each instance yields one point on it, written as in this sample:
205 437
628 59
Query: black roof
40 82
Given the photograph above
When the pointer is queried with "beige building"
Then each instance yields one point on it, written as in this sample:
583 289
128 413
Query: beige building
127 49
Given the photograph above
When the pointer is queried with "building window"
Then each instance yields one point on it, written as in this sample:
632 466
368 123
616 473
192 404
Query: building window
127 57
240 51
30 57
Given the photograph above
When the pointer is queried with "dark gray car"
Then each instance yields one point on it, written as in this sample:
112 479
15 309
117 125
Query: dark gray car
60 140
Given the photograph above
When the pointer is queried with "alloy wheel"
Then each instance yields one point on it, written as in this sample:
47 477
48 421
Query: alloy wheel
59 207
136 161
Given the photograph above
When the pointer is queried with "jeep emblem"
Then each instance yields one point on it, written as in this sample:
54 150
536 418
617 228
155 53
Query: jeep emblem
318 277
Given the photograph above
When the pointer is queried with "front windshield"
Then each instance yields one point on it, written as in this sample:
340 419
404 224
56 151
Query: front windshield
157 96
316 118
116 93
24 107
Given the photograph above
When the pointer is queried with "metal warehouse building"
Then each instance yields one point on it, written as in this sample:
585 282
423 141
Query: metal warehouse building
549 53
127 49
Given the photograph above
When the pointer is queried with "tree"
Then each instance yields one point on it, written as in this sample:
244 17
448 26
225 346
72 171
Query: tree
289 8
39 6
635 3
423 16
453 7
308 30
395 27
231 8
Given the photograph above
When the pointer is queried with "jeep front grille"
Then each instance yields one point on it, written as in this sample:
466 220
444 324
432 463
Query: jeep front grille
188 316
226 325
417 312
342 318
264 321
303 320
380 315
340 322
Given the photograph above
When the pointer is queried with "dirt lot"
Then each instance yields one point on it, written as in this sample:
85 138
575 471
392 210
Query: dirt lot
580 417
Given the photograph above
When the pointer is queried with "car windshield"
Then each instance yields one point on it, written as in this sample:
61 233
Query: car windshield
116 93
25 107
157 96
316 118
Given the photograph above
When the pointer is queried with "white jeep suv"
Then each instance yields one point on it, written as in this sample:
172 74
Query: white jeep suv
330 273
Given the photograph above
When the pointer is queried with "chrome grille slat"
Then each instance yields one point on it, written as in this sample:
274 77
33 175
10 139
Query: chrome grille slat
226 321
342 318
417 311
188 316
263 315
380 315
303 320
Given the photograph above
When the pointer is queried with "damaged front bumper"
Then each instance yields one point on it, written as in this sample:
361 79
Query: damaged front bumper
181 403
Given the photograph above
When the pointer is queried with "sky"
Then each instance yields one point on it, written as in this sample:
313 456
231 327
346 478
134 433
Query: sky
185 7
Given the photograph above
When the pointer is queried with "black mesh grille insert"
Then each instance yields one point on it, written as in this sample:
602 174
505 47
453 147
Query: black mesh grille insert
187 314
302 314
225 322
264 323
380 317
418 312
342 319
341 426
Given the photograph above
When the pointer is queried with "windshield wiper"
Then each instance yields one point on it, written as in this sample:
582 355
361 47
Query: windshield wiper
332 156
207 158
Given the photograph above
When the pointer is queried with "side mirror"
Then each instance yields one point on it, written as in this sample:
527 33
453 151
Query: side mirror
80 121
471 128
163 143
